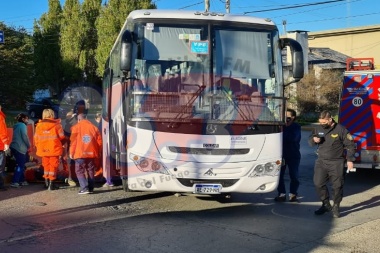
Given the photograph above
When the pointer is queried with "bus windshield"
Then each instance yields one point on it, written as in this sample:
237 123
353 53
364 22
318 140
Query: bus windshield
200 72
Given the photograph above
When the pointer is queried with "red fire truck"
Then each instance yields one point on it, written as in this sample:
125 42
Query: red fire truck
359 110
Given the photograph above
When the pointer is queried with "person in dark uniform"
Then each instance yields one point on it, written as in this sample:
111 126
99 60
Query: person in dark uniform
335 146
292 157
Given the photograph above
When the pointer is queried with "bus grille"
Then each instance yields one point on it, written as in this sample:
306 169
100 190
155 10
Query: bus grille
205 151
190 182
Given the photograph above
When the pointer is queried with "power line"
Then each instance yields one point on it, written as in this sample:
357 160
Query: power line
312 10
295 6
191 5
328 19
282 7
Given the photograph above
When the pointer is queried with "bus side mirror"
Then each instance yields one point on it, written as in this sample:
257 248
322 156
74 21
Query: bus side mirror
126 51
297 57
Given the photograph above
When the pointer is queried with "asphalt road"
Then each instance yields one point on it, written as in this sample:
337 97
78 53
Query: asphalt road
35 220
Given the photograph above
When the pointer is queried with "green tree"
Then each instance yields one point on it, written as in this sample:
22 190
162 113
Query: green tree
87 62
47 56
72 40
16 67
110 22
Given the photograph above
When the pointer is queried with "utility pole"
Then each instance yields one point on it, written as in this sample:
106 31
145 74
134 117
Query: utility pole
207 5
284 25
227 6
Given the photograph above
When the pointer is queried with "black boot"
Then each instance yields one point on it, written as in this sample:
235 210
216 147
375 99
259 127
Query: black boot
46 185
326 207
335 211
52 186
2 187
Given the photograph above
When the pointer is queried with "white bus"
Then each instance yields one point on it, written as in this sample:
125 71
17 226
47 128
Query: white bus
194 102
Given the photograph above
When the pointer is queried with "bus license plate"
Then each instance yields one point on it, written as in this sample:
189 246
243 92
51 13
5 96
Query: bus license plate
207 188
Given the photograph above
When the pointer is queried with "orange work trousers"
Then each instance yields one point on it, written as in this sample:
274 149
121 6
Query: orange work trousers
50 164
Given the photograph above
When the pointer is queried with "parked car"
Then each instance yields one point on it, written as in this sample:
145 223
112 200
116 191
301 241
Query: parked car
36 107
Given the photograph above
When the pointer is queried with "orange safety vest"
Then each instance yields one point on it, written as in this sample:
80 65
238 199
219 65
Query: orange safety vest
4 139
48 137
85 140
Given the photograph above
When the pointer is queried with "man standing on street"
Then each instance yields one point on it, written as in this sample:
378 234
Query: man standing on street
335 145
4 146
292 157
85 148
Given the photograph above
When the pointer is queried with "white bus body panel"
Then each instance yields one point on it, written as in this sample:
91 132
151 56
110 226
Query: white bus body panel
263 149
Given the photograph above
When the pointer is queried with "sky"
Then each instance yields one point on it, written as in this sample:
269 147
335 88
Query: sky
306 15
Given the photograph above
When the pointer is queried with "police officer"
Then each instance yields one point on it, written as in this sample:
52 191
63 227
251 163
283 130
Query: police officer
335 145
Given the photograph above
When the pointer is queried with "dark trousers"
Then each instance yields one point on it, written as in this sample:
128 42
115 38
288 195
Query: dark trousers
19 173
85 169
292 165
2 167
326 171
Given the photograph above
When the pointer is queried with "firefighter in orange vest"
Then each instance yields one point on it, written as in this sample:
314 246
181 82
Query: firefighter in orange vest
48 140
4 146
85 148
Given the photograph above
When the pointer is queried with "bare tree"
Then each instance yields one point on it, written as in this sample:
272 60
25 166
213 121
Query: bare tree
317 93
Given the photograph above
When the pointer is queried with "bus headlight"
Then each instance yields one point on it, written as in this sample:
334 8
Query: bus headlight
156 166
148 165
143 163
267 169
259 169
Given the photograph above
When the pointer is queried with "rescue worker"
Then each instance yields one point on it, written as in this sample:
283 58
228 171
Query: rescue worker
85 148
68 164
48 140
98 123
4 146
335 145
71 120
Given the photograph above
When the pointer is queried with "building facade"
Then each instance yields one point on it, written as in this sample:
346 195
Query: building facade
358 42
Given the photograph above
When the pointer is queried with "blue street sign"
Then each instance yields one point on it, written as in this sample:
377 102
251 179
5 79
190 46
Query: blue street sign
1 37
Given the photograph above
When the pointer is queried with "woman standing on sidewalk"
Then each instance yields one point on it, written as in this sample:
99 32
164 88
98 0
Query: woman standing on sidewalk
19 147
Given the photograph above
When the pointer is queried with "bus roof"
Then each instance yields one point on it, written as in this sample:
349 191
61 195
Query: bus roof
192 15
197 15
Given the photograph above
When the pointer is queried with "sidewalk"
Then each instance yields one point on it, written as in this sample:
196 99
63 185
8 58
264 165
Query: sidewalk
358 239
